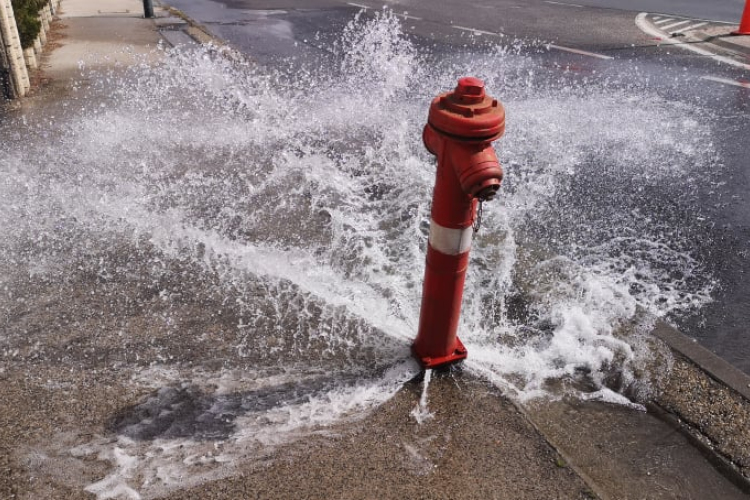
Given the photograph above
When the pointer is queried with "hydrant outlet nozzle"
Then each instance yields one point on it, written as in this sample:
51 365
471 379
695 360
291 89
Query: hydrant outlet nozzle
489 192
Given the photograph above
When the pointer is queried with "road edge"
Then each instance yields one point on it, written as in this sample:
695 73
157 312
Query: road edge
719 369
709 400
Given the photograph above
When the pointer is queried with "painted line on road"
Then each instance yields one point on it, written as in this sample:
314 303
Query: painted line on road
564 3
664 20
645 26
577 51
727 81
476 31
407 16
365 7
691 27
679 23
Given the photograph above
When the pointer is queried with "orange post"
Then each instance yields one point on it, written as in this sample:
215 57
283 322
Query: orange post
744 28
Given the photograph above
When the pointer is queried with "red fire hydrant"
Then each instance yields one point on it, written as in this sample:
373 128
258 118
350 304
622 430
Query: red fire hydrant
460 129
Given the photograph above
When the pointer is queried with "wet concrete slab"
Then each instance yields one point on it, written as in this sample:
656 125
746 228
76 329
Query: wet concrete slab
628 453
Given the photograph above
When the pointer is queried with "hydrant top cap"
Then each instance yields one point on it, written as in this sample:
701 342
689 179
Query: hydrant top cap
469 90
467 113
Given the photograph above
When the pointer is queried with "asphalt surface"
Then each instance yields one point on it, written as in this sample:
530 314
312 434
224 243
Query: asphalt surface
723 10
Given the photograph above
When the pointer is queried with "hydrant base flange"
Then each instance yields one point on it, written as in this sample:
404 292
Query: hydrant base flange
427 362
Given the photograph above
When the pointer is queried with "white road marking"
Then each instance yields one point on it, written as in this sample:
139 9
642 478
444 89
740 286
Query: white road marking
664 20
727 81
563 3
691 27
480 32
578 51
645 26
407 16
365 7
679 23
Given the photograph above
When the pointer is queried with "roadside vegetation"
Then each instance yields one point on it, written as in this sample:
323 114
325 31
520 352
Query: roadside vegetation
27 19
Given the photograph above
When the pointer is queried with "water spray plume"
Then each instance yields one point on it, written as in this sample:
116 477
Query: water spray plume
249 242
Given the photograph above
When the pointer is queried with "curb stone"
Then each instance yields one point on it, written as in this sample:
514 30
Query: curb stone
195 30
727 42
704 36
708 399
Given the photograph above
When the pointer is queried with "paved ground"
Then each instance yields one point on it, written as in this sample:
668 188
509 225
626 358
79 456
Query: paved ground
101 36
710 38
478 445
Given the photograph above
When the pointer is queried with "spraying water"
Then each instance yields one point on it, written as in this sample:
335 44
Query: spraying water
421 412
249 242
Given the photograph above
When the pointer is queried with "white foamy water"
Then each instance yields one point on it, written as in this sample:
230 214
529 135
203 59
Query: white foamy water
296 203
421 412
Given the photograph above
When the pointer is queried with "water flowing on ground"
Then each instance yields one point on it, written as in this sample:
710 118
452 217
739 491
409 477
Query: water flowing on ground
246 245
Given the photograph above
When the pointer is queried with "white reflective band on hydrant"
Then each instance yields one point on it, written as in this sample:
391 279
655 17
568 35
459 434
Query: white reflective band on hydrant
450 241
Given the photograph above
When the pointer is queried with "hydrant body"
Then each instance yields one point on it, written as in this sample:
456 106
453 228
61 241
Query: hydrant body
460 129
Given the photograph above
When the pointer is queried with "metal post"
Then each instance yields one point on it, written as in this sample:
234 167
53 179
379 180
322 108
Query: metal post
148 8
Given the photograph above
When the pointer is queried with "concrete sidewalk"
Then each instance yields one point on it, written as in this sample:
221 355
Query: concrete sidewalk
102 34
490 448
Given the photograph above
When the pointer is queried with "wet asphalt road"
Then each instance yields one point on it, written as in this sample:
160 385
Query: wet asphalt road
292 29
724 10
